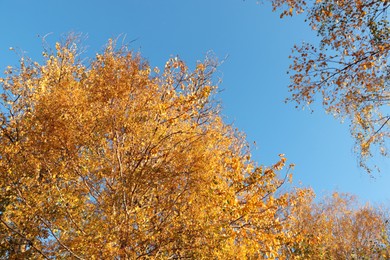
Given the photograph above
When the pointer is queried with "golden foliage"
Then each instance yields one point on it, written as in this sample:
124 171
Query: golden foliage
111 160
338 228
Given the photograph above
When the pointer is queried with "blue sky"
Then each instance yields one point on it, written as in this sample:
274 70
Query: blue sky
254 44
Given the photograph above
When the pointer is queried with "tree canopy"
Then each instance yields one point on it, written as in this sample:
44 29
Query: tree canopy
110 159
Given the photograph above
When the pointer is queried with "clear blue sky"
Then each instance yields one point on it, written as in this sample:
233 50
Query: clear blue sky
257 44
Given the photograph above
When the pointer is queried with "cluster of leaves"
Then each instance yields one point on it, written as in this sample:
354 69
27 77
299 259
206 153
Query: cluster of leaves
349 68
338 228
112 160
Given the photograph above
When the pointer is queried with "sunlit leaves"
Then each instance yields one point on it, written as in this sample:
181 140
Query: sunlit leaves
108 159
337 227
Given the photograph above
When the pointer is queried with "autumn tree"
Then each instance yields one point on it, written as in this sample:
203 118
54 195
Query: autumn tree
113 159
338 227
348 69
